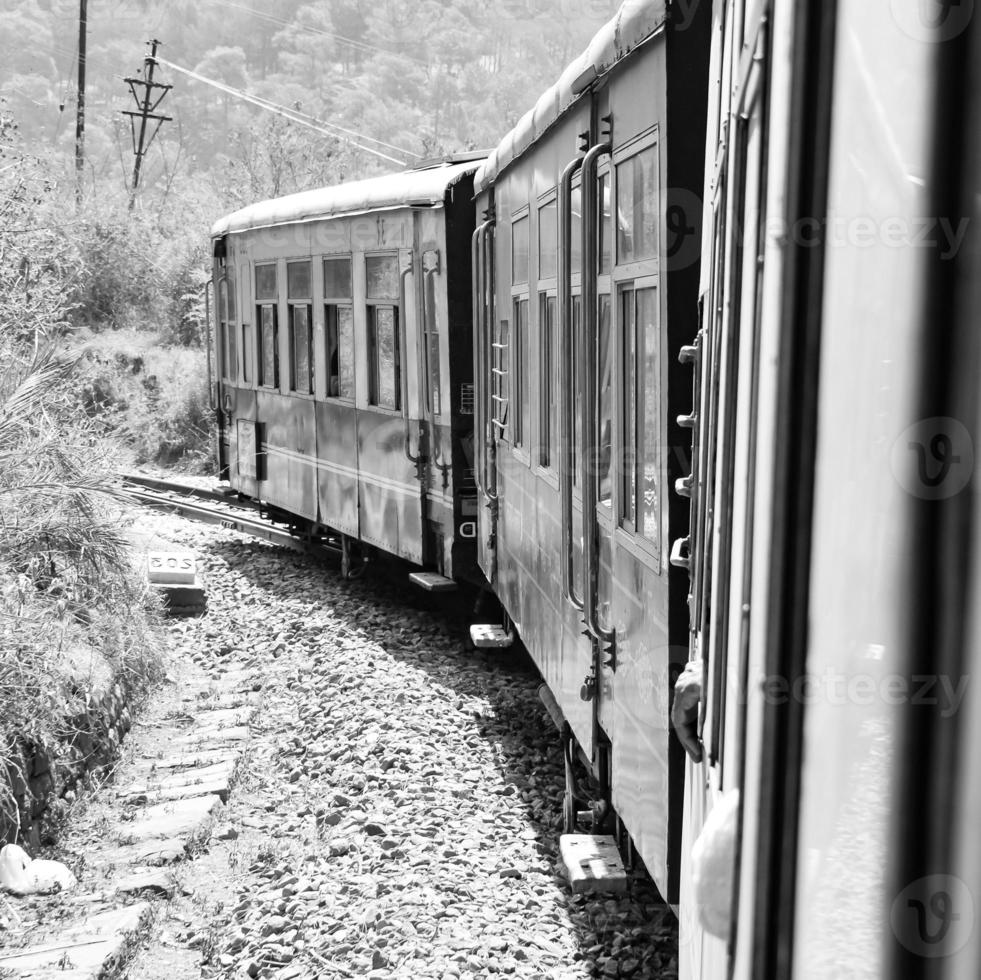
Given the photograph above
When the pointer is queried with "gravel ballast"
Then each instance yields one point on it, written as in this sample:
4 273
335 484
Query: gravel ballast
398 812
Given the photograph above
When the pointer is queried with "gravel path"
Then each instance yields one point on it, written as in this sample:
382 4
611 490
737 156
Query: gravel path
398 811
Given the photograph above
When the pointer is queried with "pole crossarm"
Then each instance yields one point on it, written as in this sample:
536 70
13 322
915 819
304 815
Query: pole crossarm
145 93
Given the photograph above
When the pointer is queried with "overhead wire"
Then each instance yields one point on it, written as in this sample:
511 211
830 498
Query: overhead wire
302 118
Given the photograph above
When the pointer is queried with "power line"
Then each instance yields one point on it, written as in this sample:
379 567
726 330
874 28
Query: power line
359 45
318 125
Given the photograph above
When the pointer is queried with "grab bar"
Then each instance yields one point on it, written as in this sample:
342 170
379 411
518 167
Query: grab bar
588 383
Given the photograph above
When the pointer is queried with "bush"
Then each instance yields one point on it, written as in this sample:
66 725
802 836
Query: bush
139 272
154 398
67 578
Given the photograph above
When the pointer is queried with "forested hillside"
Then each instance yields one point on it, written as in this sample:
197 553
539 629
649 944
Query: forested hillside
425 77
370 85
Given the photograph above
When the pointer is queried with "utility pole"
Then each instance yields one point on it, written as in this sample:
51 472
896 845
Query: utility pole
80 106
147 103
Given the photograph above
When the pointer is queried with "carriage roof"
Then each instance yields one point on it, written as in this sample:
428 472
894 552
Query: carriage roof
635 21
411 188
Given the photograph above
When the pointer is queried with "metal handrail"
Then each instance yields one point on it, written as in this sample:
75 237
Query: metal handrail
568 386
588 367
480 374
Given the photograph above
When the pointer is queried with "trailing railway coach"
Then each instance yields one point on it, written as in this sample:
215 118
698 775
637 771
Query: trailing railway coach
586 272
345 390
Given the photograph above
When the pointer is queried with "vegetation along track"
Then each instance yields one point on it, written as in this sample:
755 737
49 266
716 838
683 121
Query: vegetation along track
399 812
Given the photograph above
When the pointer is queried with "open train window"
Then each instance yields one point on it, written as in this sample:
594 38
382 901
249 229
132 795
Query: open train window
605 353
547 240
519 335
548 410
641 414
500 387
267 324
299 301
605 225
384 356
637 206
339 321
246 354
519 250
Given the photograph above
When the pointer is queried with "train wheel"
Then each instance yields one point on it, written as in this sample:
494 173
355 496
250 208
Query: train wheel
570 801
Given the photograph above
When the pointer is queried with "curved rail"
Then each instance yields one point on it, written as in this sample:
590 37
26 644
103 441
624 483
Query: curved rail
215 507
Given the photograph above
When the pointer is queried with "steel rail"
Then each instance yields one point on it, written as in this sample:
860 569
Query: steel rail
179 499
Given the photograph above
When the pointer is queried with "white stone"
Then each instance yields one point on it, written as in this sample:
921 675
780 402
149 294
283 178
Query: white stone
22 876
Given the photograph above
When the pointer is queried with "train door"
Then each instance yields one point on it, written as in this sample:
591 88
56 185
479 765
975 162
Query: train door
731 510
389 481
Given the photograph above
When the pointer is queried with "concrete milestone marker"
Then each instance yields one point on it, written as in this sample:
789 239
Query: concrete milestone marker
171 567
175 575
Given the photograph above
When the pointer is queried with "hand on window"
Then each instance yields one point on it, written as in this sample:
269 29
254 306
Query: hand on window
684 710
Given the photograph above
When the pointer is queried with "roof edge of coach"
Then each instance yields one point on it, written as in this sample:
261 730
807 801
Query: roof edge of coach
633 24
425 185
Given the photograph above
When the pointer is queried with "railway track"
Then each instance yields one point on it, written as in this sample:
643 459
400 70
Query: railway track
225 509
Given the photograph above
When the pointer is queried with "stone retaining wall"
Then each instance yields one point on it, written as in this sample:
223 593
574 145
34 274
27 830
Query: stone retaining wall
30 793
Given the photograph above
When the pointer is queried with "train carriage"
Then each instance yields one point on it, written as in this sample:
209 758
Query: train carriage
831 571
344 384
585 284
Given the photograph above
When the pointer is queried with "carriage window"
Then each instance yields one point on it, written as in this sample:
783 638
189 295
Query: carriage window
641 412
337 278
499 382
576 407
382 273
226 330
547 240
605 491
519 250
637 204
605 227
431 327
340 351
383 345
339 322
246 354
300 302
575 252
520 335
548 411
265 283
384 360
267 324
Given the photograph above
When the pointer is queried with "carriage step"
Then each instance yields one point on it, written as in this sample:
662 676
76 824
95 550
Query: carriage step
592 863
432 581
488 636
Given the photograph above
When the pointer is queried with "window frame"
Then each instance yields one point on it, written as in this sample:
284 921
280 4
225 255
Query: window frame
519 347
372 305
336 303
292 304
262 303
